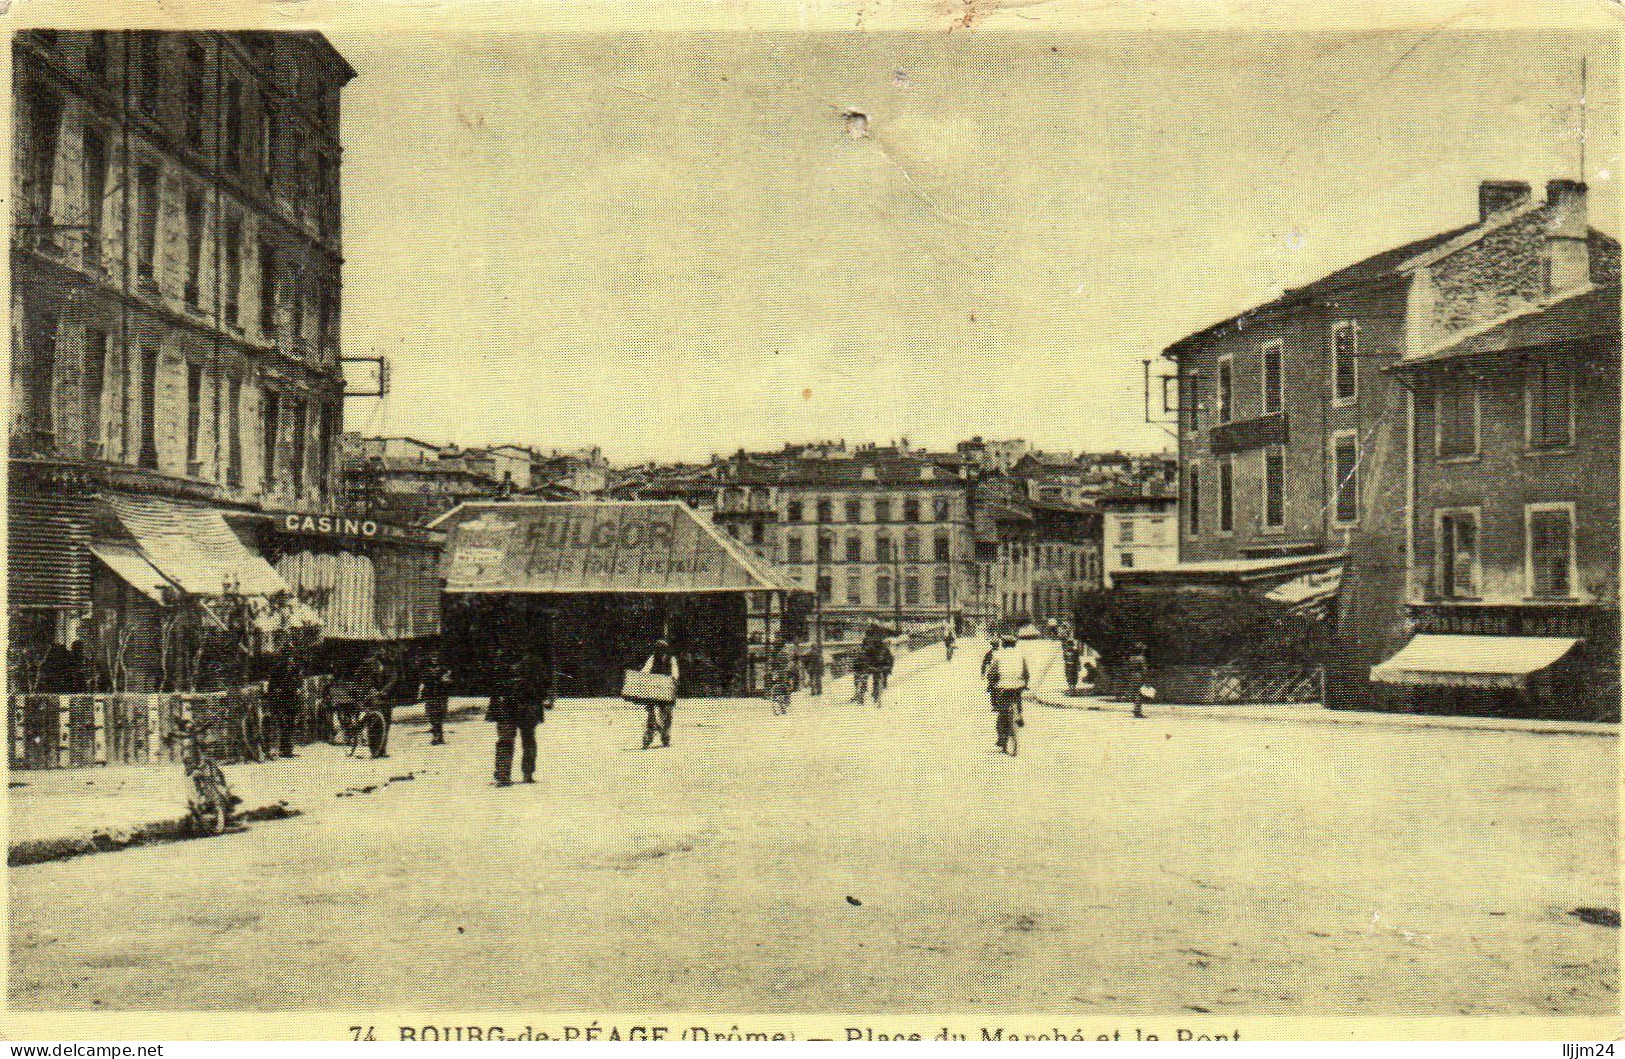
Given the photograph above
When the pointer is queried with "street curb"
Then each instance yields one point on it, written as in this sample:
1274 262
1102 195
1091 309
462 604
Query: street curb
1353 718
109 840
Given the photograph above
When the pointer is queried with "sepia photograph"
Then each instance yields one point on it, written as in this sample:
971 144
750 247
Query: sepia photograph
958 519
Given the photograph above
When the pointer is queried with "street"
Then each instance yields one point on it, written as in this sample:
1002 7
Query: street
879 860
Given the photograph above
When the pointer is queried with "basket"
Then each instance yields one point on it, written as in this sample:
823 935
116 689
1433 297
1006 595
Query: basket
642 687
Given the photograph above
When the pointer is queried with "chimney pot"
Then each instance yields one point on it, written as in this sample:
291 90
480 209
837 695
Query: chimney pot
1499 196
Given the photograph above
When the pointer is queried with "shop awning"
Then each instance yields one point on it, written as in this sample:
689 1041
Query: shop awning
1310 594
1438 660
194 548
606 546
129 564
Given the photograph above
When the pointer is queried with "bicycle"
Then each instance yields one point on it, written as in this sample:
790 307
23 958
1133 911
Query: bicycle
364 726
1008 722
210 803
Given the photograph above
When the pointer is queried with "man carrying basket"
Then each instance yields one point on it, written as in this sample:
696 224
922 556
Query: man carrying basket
654 687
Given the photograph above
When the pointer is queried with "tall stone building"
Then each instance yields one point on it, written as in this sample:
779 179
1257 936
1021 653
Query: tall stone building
176 298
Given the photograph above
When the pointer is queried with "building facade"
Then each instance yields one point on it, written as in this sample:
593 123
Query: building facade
176 305
1138 532
1293 435
1514 586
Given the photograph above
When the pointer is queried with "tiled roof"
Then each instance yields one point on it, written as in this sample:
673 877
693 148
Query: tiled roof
1370 270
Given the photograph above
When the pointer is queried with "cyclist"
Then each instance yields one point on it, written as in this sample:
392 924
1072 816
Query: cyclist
1007 679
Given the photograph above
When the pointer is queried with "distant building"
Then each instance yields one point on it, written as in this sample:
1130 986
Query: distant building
1138 532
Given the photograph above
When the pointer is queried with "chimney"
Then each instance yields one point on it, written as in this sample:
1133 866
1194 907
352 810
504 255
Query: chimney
1498 196
1567 228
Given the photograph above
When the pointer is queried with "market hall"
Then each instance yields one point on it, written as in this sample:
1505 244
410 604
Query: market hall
591 586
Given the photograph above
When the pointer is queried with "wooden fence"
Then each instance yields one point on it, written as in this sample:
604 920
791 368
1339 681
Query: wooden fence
75 731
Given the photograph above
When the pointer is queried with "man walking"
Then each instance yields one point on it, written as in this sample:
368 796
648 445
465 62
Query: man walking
1071 662
658 714
518 701
437 700
284 688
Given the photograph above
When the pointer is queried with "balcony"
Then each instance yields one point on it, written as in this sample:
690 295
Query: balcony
1242 435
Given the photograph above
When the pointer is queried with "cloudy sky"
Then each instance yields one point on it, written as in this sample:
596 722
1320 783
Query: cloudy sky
676 244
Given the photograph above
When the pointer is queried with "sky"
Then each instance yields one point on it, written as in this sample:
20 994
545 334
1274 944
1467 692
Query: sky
677 244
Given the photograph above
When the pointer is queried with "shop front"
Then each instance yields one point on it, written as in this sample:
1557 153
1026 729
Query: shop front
590 587
375 584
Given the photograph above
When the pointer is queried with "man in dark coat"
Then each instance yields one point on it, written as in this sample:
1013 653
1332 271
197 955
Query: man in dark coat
284 691
520 694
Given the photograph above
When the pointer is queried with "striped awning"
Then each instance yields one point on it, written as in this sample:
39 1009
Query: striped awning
193 547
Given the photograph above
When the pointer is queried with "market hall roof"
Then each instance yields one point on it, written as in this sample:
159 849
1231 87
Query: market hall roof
629 546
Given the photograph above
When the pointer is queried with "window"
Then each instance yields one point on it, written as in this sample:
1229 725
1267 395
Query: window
826 548
296 303
1227 495
1125 530
1126 560
42 374
233 278
1193 497
194 415
826 588
1273 370
882 509
1550 533
1345 363
942 509
1274 487
44 123
95 162
234 432
1346 476
733 528
268 145
854 589
271 413
195 62
194 246
792 548
942 548
96 55
148 453
1226 391
146 248
95 374
1549 406
151 75
911 589
233 147
296 457
883 591
268 291
911 547
1458 554
883 548
940 590
758 532
854 510
1455 411
793 511
826 511
854 548
911 509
